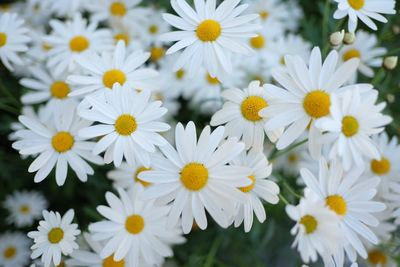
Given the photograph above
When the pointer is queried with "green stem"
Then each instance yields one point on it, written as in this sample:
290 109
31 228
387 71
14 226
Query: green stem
213 252
9 95
284 200
378 77
9 109
291 190
283 152
325 25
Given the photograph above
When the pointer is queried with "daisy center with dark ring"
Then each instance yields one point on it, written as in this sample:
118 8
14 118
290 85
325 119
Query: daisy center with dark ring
351 53
110 262
62 142
381 167
79 44
356 4
118 9
134 224
10 252
194 176
136 176
317 104
3 39
337 204
257 42
122 37
350 126
59 90
251 106
377 258
112 77
55 235
310 223
209 30
250 187
125 125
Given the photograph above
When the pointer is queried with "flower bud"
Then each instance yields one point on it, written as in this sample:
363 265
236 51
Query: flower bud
336 38
390 63
349 38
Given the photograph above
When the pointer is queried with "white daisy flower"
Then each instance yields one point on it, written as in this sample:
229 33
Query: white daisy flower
58 145
134 229
317 228
38 50
16 126
350 196
130 37
306 97
241 115
110 69
195 177
14 250
208 34
24 207
127 176
153 26
127 124
179 81
261 188
14 39
365 10
169 97
353 119
289 45
55 236
290 162
65 8
73 39
365 48
377 257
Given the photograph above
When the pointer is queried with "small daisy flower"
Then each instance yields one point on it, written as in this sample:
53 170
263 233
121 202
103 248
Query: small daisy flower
24 207
73 39
55 236
14 250
178 81
250 69
133 229
153 26
354 117
377 257
127 176
351 198
306 96
65 8
365 10
14 39
58 145
195 176
241 115
365 48
208 33
316 230
261 188
110 69
127 124
290 44
290 162
38 50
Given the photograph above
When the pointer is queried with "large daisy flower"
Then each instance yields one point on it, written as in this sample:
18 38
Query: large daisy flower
134 229
127 123
195 176
71 40
351 198
207 33
55 236
365 10
306 96
13 39
261 188
354 117
14 250
58 145
101 73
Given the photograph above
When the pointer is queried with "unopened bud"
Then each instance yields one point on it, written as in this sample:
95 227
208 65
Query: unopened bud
391 98
390 63
349 38
336 38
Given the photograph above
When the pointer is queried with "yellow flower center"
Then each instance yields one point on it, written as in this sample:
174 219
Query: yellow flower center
3 39
282 61
209 30
381 167
79 44
125 125
211 80
136 177
153 29
264 15
110 262
310 223
55 235
257 42
376 257
59 90
10 252
157 53
351 53
356 4
350 126
337 204
134 224
46 47
250 187
251 106
112 77
122 37
194 176
62 264
24 209
293 158
180 74
118 9
317 104
62 142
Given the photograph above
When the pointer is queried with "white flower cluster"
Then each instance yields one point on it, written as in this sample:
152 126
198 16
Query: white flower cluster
103 88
